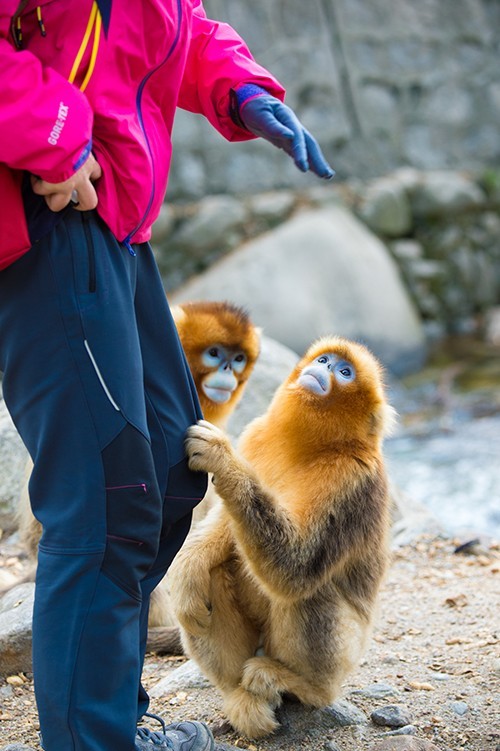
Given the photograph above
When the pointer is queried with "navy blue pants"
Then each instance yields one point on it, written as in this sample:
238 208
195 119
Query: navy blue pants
98 386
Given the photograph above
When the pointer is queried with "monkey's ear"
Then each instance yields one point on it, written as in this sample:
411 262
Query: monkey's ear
178 314
383 420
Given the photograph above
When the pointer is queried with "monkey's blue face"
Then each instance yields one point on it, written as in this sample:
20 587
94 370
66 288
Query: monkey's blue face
327 369
224 363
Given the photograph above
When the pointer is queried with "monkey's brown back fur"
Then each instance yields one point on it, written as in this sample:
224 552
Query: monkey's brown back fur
293 557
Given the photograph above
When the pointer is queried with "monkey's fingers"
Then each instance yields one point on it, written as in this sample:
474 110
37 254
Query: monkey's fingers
203 432
208 429
206 444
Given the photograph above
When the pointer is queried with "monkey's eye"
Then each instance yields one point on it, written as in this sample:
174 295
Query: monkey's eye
322 359
346 372
239 362
212 357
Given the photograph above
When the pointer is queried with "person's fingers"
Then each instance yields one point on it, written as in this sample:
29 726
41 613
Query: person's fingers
58 195
57 201
317 161
95 168
87 196
40 187
297 148
259 117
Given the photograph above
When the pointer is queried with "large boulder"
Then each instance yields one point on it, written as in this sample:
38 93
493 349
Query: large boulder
275 363
322 272
13 457
16 612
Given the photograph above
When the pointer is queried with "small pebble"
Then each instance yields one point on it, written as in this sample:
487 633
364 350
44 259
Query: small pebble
376 691
405 730
460 707
440 676
344 713
391 715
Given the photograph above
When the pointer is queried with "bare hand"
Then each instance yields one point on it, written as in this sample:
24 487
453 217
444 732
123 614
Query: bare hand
58 195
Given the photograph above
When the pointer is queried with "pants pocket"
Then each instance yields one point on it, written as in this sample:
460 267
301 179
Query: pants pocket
133 510
185 489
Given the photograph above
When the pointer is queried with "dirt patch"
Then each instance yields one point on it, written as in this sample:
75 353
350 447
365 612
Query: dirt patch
435 653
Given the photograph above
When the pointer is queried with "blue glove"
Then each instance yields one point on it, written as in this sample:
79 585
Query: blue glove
267 117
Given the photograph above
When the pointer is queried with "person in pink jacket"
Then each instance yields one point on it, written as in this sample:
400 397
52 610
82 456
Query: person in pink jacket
93 372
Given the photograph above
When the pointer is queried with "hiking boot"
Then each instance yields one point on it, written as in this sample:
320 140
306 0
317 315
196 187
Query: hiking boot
179 736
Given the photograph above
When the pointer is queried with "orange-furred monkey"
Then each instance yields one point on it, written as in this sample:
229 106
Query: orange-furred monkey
291 559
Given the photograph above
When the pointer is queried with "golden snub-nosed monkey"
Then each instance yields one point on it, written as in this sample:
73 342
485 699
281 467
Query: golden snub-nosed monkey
289 563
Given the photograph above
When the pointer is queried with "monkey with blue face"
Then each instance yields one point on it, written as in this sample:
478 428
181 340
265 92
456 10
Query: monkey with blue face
221 345
276 589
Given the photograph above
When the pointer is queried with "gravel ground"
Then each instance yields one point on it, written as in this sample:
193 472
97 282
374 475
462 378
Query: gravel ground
434 653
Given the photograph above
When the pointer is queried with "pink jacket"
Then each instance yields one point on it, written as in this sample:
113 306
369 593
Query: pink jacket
69 86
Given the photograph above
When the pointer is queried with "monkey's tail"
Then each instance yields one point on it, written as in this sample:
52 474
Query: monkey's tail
165 640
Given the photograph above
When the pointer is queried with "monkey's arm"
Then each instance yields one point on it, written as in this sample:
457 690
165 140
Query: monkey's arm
189 575
290 560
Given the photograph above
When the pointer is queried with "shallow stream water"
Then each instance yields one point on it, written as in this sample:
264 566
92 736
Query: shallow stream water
445 452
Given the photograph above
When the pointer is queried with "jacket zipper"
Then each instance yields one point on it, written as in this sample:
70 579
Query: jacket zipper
90 252
138 100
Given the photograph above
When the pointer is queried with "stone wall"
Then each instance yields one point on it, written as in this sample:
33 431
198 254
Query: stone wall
381 83
442 228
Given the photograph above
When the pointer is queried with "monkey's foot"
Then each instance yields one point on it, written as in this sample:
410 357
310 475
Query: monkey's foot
261 676
270 679
207 447
249 714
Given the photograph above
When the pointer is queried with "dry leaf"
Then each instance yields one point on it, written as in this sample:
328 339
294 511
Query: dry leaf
458 601
15 680
483 560
485 643
458 640
417 686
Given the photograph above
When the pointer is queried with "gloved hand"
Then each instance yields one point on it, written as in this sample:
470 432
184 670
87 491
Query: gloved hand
265 116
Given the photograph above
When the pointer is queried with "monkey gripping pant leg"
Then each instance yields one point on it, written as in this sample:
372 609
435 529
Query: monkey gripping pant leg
98 387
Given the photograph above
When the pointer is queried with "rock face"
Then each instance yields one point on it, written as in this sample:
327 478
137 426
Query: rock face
16 609
320 273
380 84
273 366
13 458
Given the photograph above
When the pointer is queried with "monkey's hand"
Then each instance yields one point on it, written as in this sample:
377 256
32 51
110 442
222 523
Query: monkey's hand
208 448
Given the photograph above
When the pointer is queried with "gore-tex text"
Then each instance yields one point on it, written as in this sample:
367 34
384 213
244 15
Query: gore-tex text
59 124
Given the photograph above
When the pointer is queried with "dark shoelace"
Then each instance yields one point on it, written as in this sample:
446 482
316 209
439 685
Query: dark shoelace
157 738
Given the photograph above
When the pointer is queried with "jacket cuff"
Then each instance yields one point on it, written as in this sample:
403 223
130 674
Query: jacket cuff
239 96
